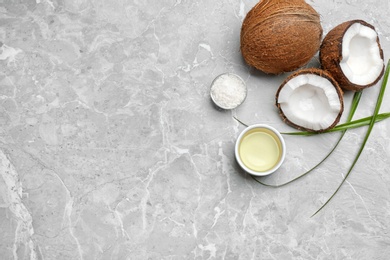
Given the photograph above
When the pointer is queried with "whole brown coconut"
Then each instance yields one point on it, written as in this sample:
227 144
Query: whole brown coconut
351 52
280 35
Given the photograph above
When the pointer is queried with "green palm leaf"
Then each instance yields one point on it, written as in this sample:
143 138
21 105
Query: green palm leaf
371 125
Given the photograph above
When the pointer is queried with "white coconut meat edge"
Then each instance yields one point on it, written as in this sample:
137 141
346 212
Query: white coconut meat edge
361 62
310 101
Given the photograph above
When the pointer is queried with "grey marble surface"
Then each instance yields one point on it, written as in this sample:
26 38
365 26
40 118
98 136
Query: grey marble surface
110 147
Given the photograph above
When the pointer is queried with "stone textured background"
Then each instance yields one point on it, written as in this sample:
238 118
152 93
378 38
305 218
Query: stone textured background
110 147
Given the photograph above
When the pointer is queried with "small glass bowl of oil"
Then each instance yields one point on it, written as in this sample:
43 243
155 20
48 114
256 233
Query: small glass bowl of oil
260 150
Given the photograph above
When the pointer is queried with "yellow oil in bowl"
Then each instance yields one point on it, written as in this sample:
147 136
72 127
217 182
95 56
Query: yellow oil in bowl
260 150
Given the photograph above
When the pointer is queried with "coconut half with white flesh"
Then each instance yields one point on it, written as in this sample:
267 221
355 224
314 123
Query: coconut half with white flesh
311 100
352 53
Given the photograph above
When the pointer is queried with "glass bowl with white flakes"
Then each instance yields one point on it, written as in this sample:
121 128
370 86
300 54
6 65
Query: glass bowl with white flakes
228 91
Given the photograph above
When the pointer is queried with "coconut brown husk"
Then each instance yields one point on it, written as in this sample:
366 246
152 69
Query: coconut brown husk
331 55
280 35
321 73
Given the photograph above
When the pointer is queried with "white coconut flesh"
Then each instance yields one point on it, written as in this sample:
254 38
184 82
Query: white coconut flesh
361 63
310 101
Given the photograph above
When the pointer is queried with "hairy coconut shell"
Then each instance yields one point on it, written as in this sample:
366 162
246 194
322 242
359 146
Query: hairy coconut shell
331 55
321 73
280 35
